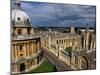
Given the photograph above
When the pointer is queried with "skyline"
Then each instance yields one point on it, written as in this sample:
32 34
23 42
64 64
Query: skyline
59 15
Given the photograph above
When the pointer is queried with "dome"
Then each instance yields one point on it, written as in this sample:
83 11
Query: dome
20 18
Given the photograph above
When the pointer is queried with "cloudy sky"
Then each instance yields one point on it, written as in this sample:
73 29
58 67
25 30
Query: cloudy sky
59 15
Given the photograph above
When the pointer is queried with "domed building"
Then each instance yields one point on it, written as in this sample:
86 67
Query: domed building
26 53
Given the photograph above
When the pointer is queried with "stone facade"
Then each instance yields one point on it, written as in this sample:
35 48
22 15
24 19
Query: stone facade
88 38
25 44
56 40
83 55
85 58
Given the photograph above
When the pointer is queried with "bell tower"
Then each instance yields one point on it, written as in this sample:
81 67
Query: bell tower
72 29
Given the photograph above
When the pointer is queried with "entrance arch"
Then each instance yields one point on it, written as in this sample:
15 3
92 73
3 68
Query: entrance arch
22 67
84 63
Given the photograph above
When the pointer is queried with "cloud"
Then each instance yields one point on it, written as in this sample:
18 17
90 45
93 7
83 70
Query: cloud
54 14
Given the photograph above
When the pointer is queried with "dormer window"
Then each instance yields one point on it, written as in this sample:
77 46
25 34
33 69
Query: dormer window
28 21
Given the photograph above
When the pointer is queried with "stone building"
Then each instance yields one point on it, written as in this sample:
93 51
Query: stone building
54 39
85 58
88 38
26 50
83 55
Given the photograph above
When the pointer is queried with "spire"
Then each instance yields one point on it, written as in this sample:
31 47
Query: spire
17 4
87 27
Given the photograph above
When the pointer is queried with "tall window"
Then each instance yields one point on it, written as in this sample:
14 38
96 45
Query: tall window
57 41
20 47
29 30
19 31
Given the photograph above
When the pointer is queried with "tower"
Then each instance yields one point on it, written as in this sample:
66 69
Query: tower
72 29
86 37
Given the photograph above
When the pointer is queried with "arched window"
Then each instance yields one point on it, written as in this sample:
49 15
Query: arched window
22 67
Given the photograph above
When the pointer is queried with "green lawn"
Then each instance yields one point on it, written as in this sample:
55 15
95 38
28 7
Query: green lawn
46 66
69 50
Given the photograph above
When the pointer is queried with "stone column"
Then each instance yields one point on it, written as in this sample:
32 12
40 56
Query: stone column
91 45
94 44
32 48
17 46
80 43
25 49
16 51
79 62
12 52
84 44
87 43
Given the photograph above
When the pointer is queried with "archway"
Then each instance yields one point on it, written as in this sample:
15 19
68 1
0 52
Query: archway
22 67
84 63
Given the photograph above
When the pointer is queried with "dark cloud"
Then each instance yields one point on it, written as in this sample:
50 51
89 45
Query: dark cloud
54 14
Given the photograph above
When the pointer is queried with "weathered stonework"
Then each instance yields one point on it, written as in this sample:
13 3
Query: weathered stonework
25 44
